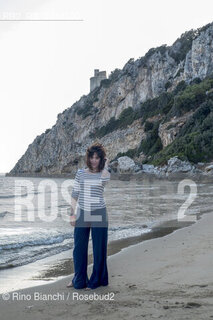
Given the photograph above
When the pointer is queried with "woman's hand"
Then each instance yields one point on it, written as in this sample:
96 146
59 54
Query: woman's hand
106 162
72 220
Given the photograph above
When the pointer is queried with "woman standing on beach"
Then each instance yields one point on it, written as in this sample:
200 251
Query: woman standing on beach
91 214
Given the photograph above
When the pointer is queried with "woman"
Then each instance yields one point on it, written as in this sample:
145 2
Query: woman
91 214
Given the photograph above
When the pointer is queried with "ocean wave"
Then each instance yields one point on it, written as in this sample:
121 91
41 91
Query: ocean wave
36 242
15 259
8 196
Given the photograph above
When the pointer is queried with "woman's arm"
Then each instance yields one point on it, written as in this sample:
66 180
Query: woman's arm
73 206
75 193
106 174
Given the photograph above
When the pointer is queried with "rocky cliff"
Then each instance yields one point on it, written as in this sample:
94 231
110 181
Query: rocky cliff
115 112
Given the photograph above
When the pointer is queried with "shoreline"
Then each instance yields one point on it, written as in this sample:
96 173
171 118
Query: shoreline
161 229
53 268
167 277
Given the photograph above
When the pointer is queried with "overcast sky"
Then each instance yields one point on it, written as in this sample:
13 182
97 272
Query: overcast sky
45 66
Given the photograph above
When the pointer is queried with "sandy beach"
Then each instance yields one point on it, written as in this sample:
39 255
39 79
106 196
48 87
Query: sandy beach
169 277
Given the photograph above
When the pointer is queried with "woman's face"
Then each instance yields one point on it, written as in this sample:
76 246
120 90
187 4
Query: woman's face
94 160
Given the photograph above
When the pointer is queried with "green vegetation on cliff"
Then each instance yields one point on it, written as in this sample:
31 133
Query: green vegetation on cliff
194 141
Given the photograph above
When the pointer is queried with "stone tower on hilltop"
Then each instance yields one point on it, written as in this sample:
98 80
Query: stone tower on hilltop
96 80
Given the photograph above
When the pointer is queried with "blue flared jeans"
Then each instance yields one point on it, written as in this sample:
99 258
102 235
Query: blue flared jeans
97 221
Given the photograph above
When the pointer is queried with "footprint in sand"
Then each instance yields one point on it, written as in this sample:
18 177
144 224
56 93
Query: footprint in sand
131 286
193 305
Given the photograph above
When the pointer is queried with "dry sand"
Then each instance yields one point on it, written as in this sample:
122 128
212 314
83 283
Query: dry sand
168 278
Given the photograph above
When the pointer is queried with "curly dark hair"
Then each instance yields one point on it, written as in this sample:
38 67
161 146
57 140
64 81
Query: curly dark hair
99 149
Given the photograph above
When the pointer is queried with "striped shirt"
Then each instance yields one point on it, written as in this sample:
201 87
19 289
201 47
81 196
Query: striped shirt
89 187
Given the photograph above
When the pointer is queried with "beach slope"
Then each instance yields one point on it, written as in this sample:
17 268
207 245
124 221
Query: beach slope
169 278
